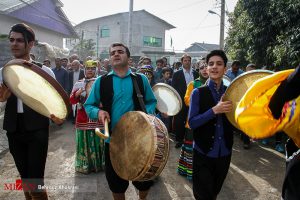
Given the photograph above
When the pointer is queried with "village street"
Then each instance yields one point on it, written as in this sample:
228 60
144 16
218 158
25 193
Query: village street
256 173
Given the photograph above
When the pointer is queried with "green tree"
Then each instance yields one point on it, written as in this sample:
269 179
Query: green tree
85 48
265 32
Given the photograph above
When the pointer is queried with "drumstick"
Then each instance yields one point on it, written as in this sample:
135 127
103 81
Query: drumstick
106 132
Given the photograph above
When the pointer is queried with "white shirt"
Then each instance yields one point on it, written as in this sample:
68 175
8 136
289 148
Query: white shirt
188 75
75 76
20 103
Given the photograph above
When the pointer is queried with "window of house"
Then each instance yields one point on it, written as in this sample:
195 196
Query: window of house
152 41
104 32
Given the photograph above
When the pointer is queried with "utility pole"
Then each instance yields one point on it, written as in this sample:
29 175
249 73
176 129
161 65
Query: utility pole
98 27
130 24
81 42
222 24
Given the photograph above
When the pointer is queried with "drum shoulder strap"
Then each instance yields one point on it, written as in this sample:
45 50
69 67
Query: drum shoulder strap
107 93
136 87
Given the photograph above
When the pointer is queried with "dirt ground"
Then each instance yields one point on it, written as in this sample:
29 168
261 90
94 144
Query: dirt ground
256 173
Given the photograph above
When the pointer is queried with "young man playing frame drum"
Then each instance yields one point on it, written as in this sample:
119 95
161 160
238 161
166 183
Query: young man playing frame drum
116 93
27 130
213 134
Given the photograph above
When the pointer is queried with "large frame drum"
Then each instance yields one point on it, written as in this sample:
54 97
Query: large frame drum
36 88
139 146
168 99
238 87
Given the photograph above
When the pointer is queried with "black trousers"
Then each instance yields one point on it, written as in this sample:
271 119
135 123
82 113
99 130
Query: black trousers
117 184
179 122
208 175
29 150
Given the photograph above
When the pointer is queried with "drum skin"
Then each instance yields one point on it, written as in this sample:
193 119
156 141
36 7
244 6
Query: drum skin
254 116
168 99
36 88
238 87
139 146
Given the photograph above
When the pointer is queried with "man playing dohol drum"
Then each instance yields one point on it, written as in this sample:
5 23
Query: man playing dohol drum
116 93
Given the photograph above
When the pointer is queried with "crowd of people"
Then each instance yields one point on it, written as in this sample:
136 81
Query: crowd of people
104 90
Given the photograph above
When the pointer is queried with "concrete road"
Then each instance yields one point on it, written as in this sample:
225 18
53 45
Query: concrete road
254 174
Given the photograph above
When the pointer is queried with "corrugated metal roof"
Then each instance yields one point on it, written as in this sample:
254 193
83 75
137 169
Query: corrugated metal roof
197 47
7 6
44 13
170 26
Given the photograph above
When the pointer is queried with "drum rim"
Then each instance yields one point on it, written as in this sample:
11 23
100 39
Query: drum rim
159 85
166 153
252 72
152 153
39 71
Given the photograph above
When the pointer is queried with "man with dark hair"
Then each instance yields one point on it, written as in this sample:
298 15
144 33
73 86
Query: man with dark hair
118 96
213 134
27 130
235 70
64 63
61 74
166 76
180 80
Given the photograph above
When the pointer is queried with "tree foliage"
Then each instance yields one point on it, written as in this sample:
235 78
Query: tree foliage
265 32
85 48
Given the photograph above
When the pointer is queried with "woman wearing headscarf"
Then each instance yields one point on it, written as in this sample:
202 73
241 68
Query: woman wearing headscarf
89 147
185 163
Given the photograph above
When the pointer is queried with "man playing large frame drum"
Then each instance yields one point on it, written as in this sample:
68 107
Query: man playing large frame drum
116 93
212 132
27 130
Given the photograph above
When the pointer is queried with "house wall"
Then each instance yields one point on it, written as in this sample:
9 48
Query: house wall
41 34
143 25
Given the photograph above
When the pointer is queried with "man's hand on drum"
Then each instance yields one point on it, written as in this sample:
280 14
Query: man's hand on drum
56 120
222 106
164 115
4 93
102 115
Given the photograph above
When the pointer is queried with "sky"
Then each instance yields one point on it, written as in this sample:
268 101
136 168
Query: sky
190 17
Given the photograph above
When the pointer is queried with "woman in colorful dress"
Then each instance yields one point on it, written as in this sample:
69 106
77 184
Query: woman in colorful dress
89 147
185 163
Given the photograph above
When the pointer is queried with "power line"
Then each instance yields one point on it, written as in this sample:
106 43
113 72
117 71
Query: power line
198 26
182 7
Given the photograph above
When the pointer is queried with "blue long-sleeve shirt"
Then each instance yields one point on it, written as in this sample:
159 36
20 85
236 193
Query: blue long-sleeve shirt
122 99
197 119
232 75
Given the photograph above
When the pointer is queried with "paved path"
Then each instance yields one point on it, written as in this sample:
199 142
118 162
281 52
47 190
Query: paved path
254 174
